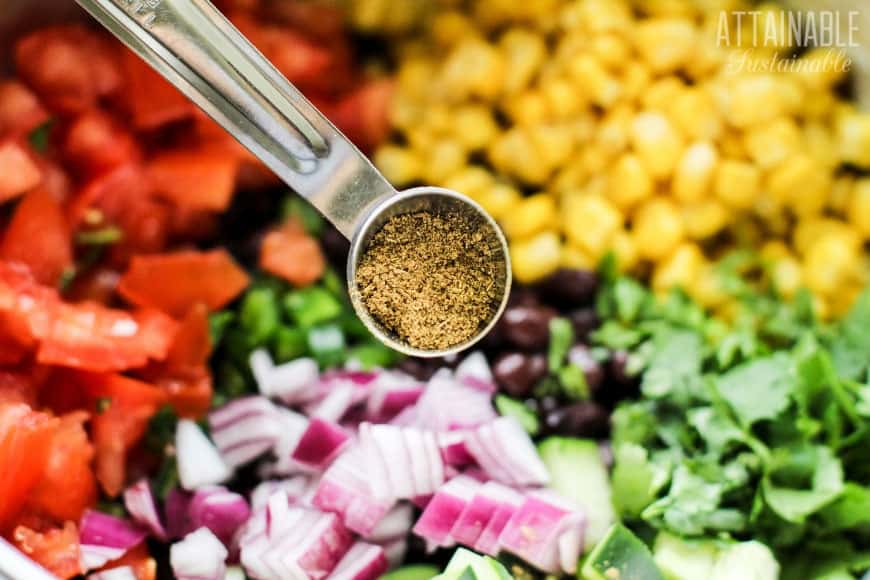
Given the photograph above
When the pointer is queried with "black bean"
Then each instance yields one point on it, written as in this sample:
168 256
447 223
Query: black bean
528 327
420 368
517 373
618 385
570 288
522 296
581 356
584 321
548 404
583 419
616 370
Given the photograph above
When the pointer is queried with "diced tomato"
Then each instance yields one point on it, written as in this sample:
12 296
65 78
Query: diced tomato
193 224
95 142
18 386
363 115
16 341
177 281
38 236
203 178
184 375
137 558
20 109
70 67
122 408
55 179
67 486
56 549
293 255
86 335
25 444
151 100
19 172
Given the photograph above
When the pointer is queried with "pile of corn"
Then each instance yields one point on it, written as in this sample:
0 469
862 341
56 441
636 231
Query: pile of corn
588 126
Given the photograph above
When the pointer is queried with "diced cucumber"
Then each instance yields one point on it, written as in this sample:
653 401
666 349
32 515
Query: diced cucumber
620 555
578 473
467 565
680 559
412 572
746 561
327 344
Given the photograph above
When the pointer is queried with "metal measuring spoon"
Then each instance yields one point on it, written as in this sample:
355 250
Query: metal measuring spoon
200 52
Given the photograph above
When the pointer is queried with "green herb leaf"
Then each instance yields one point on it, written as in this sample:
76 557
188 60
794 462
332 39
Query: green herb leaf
561 339
573 382
759 389
795 505
39 137
675 367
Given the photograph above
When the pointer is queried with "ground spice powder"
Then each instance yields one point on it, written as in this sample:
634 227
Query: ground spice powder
430 278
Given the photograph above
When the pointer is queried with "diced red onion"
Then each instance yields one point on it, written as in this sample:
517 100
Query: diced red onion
504 450
488 541
453 448
345 489
447 405
140 503
105 538
220 510
294 382
321 442
298 490
474 372
479 511
534 531
335 405
119 573
402 462
261 365
199 462
392 393
396 523
408 417
362 562
176 508
244 429
444 510
199 556
395 551
571 542
293 426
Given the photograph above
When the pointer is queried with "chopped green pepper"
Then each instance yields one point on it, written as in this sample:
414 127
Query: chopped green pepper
311 306
259 314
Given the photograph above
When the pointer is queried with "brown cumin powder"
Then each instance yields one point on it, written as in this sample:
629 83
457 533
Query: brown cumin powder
430 278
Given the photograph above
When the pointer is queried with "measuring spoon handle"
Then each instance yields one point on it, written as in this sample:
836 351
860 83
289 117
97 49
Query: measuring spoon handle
199 51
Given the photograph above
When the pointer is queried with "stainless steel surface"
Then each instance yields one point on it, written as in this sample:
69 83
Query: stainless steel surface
199 51
438 200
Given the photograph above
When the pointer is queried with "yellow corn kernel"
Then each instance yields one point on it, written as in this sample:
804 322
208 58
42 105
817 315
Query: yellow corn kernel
801 183
421 138
666 44
514 153
769 145
737 183
657 228
773 250
610 50
625 251
823 67
613 132
451 26
636 78
831 262
405 112
414 78
474 126
695 171
859 206
399 165
695 114
708 57
575 258
571 177
472 180
523 51
445 158
657 143
562 98
818 104
603 88
707 288
437 119
535 258
752 100
628 182
474 68
590 222
809 229
841 195
853 138
661 94
705 218
820 144
841 302
526 108
530 216
786 275
554 143
597 16
680 269
731 145
593 160
665 8
500 200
